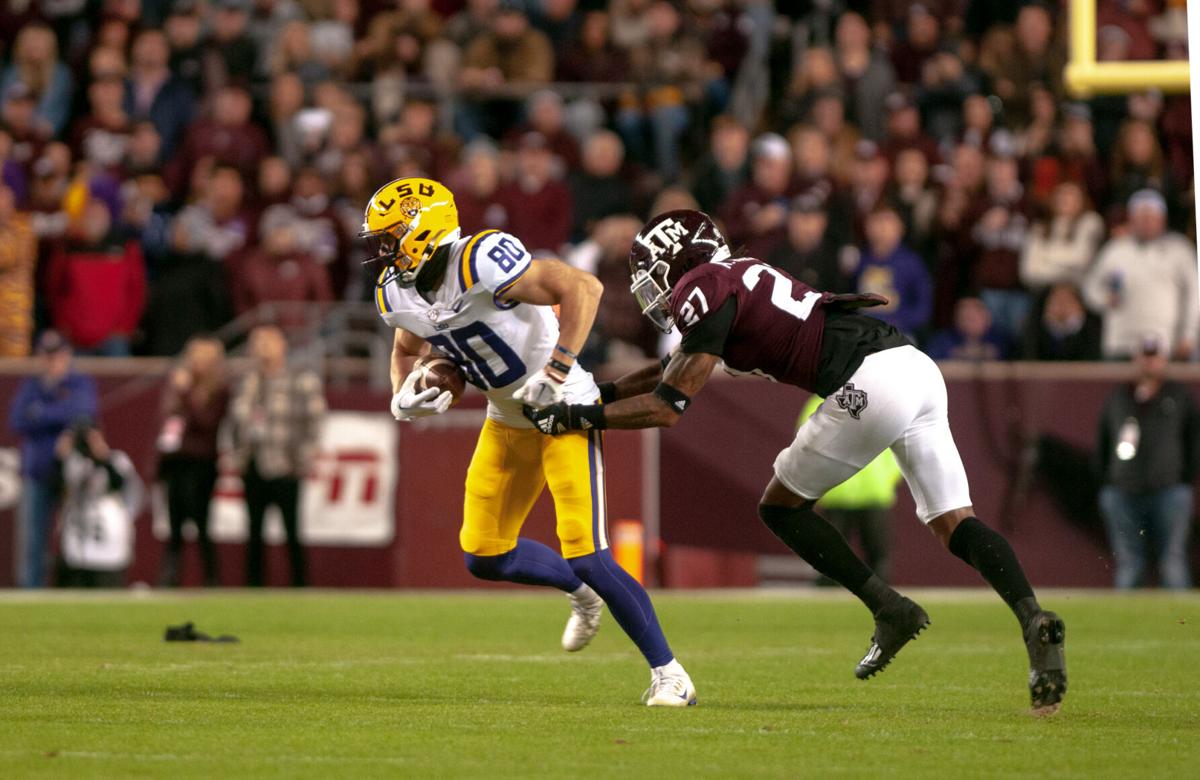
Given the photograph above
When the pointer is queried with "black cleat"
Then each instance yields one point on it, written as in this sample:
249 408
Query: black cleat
895 626
1044 635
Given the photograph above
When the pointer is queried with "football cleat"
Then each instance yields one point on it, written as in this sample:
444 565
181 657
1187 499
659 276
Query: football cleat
584 621
895 626
670 686
1044 635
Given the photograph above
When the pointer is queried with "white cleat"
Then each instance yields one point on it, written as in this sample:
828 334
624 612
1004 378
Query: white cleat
584 621
670 686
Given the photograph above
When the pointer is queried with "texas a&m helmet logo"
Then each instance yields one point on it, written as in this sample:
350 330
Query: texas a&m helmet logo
852 400
663 238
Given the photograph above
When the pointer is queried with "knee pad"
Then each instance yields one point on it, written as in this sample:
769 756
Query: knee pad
487 567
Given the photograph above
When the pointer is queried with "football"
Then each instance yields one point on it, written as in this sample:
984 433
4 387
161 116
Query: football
437 370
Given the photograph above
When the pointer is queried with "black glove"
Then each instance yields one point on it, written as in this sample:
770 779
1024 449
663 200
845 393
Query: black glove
561 417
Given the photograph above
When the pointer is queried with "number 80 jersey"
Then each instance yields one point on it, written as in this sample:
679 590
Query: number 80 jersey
497 342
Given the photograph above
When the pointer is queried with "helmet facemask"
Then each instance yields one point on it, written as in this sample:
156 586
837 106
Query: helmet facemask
387 248
653 294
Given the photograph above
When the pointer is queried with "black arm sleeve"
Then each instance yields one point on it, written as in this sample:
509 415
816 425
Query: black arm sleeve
710 333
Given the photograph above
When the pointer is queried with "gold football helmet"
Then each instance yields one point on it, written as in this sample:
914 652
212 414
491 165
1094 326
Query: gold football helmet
405 221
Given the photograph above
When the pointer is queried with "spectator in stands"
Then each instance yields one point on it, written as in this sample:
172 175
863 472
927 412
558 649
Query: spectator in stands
623 340
725 166
1078 158
869 185
867 77
1145 283
478 196
591 56
915 199
599 190
18 255
1137 162
194 404
230 53
999 229
155 93
281 270
755 215
1062 247
507 52
19 122
671 66
185 30
828 116
216 225
43 408
103 136
891 269
903 129
96 285
35 66
276 415
1148 448
539 207
1034 56
229 138
973 336
812 252
101 495
544 112
1060 328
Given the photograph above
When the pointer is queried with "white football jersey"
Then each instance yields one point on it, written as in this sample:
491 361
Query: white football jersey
497 342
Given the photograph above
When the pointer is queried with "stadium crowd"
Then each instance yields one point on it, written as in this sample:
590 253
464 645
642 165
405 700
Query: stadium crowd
169 164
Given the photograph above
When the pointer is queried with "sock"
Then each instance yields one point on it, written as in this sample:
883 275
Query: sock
627 601
529 563
990 554
672 667
814 539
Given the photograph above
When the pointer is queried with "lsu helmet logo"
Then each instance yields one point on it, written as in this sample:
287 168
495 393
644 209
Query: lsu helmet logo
852 400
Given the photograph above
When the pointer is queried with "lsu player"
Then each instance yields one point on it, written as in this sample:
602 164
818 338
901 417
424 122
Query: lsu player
486 304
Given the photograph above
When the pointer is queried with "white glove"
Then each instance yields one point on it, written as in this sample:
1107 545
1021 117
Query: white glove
540 390
408 404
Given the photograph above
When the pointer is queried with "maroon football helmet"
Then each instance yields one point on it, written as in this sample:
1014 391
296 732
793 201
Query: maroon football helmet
669 246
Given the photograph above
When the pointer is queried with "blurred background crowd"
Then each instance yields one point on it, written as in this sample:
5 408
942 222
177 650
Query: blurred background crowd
169 165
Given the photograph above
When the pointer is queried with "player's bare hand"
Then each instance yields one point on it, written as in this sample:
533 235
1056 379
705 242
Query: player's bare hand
540 390
408 404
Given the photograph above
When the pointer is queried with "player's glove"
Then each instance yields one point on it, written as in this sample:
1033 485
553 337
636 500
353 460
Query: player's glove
562 417
408 404
540 390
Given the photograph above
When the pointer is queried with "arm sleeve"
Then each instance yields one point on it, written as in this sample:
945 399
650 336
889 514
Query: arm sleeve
710 333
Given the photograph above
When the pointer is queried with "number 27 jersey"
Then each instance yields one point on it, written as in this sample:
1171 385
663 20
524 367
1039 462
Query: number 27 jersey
777 329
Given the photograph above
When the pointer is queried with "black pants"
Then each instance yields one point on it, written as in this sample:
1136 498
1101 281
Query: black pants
874 528
284 493
89 578
190 483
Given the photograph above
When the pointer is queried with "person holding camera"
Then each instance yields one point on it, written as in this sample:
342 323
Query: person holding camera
44 407
101 496
194 404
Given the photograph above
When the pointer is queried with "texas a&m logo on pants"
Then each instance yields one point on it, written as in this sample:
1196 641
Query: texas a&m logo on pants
852 400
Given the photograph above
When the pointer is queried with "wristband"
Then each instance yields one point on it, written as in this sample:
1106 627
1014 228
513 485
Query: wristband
678 401
560 367
584 417
566 352
608 392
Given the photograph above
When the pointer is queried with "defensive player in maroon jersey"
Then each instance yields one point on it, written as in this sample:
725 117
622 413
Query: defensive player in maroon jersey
880 392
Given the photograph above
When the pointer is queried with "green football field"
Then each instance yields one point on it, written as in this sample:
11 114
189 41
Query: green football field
434 685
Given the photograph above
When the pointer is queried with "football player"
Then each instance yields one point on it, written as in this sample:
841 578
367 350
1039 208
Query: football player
486 304
880 392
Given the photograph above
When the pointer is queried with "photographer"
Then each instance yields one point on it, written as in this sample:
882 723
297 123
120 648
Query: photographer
101 496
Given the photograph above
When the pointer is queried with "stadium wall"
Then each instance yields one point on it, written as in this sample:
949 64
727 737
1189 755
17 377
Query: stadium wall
713 469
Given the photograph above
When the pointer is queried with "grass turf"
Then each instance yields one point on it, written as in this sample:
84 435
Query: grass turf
420 685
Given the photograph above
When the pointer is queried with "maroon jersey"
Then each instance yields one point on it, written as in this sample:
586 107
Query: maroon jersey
782 328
